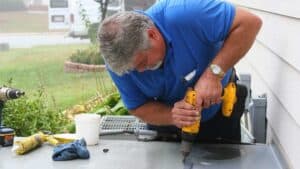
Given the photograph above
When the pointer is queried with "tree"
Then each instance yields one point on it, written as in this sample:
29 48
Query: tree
103 7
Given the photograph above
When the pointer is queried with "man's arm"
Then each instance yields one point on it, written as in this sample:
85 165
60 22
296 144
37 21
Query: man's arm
156 113
241 36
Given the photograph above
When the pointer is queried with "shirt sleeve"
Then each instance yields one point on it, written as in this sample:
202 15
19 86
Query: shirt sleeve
130 93
212 19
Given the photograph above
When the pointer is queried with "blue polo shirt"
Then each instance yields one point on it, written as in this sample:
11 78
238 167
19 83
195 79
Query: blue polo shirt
194 31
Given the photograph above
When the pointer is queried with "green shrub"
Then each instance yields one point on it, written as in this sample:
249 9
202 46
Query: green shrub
71 128
90 55
111 105
30 115
11 5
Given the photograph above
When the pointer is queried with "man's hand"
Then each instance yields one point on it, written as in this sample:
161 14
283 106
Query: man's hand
208 89
184 114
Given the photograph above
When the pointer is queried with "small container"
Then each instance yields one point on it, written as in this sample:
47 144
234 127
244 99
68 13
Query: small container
6 136
88 127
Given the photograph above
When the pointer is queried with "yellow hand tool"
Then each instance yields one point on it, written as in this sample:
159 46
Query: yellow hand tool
29 143
34 141
190 133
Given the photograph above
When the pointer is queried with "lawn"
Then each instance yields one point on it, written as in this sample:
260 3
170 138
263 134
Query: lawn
43 66
23 21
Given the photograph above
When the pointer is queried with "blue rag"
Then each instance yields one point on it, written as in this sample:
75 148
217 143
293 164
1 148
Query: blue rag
70 151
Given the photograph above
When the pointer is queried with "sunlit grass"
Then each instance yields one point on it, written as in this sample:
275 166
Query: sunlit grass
43 66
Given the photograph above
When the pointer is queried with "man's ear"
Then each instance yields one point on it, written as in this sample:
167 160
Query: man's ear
153 33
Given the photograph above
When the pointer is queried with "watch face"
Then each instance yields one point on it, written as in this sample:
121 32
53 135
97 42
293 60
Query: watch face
215 69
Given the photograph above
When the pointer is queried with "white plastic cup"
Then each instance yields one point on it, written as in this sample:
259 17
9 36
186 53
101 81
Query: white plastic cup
88 127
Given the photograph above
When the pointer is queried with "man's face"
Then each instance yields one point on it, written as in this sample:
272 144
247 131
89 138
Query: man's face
151 58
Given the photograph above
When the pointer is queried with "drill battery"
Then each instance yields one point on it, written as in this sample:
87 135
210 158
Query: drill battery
6 136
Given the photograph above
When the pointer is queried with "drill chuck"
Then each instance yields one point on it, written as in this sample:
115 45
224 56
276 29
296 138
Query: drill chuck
10 93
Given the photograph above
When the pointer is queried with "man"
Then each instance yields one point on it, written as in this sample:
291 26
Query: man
154 56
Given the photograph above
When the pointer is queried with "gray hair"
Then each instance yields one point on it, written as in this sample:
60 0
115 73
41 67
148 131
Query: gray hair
121 36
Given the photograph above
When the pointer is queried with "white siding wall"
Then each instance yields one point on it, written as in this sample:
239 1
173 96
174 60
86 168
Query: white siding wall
274 63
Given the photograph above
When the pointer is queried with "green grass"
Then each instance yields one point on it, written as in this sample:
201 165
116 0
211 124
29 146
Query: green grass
43 66
22 21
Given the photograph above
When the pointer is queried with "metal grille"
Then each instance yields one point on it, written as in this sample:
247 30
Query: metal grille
125 123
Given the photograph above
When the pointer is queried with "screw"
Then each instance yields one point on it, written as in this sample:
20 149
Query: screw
105 150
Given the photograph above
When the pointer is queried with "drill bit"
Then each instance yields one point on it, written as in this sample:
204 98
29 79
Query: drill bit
188 165
187 162
185 149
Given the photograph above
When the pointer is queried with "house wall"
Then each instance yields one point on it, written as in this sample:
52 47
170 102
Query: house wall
274 64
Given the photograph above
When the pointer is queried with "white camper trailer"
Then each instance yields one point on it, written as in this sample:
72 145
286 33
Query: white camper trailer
74 14
91 11
82 11
58 14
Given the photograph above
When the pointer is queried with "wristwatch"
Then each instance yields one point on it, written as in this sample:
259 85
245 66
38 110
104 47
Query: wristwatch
217 70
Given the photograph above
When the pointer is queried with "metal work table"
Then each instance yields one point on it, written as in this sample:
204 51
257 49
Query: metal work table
125 152
132 154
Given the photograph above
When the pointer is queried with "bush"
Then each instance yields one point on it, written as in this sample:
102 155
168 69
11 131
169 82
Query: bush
12 5
30 115
88 56
111 105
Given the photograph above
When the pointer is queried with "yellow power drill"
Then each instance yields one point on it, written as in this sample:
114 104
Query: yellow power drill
189 133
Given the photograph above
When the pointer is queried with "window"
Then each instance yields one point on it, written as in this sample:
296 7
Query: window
58 3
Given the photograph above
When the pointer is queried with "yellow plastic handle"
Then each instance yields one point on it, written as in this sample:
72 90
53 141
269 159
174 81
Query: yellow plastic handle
190 98
229 98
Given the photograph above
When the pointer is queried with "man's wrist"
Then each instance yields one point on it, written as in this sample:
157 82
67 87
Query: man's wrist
216 70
